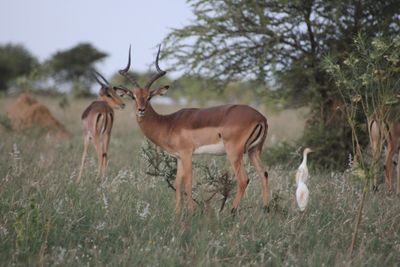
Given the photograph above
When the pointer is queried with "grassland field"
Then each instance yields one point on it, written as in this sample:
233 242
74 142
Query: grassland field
127 219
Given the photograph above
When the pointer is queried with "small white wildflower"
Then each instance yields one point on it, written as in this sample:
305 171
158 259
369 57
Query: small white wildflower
105 201
72 176
100 226
16 158
350 161
145 213
59 255
59 208
3 231
15 154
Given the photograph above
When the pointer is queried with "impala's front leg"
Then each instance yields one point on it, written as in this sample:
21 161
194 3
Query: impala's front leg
178 183
187 176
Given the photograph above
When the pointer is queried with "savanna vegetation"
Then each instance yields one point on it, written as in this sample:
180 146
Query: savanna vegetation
128 217
317 69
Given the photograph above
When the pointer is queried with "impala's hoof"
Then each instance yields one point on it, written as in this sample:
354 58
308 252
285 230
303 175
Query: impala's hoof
233 211
266 209
375 188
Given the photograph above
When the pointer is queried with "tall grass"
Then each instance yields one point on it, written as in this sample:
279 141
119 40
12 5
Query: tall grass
127 219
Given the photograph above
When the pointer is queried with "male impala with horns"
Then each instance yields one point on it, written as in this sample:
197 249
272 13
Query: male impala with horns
231 130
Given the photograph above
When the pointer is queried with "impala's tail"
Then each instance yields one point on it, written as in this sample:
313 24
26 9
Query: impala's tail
102 121
257 136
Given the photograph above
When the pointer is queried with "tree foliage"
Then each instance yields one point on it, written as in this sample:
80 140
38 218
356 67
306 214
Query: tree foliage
15 61
282 44
75 65
368 82
278 41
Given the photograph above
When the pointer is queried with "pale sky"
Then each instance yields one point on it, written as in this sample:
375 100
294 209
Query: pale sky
47 26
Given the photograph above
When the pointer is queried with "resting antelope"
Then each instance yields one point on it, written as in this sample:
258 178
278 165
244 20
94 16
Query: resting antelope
97 122
229 129
392 137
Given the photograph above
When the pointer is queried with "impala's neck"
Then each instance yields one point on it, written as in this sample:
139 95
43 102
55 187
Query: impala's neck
153 126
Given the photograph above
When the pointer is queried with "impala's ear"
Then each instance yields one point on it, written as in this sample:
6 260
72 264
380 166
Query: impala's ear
103 91
122 91
159 91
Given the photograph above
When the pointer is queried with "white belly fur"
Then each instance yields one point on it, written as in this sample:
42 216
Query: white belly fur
214 149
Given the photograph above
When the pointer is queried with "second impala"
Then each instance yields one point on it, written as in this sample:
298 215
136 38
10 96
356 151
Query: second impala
233 130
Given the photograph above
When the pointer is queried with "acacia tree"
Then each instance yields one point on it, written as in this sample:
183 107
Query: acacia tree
279 43
15 61
75 65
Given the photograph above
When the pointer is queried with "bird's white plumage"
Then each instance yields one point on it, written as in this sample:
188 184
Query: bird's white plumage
301 175
302 195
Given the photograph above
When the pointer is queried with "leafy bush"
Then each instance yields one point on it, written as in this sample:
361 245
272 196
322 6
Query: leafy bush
368 81
5 121
160 164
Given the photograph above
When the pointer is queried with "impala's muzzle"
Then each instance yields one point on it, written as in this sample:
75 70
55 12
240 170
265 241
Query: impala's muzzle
140 112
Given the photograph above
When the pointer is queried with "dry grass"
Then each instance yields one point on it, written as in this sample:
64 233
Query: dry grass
127 219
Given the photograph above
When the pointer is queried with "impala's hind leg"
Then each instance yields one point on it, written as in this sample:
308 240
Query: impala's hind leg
99 152
86 142
389 167
105 144
109 119
398 171
255 159
235 157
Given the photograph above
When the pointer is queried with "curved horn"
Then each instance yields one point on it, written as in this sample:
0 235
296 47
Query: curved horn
159 73
101 76
97 79
125 73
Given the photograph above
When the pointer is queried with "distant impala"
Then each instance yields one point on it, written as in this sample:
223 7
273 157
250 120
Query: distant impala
229 129
97 122
392 136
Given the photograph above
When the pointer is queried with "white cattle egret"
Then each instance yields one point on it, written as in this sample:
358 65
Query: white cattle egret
302 193
302 171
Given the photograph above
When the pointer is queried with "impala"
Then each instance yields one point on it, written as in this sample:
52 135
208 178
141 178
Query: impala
97 122
233 130
392 136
